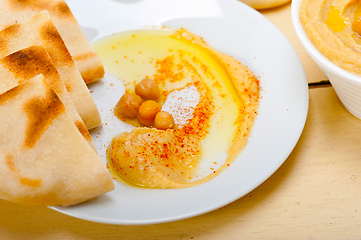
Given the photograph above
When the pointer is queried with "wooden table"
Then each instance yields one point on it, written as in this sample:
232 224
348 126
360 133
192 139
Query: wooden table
315 194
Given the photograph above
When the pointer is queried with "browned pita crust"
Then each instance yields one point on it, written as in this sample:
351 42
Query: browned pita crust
26 64
39 29
87 61
44 160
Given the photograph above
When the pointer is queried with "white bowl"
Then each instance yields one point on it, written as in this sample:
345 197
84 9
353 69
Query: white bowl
346 84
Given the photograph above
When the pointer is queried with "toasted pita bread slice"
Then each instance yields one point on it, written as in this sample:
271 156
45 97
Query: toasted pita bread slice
44 160
87 61
39 29
26 64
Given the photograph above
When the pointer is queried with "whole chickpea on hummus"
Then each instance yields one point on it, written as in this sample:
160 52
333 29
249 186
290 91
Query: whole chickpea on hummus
334 27
211 97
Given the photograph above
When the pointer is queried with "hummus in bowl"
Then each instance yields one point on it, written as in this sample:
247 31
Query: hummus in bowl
334 27
328 31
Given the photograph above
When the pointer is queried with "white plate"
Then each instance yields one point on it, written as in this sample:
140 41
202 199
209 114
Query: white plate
230 27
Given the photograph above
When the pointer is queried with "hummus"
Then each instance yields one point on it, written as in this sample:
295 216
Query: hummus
213 97
333 27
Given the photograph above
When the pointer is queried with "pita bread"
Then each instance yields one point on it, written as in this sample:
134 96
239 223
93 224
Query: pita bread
39 29
44 160
26 64
87 61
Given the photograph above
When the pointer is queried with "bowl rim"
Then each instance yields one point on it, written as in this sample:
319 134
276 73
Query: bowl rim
322 61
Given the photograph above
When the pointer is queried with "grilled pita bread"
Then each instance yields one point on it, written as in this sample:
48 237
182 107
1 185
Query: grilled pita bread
87 61
44 160
39 29
26 64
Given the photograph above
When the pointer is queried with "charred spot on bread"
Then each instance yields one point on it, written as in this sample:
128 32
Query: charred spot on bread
10 162
60 7
83 130
52 37
21 3
41 113
5 35
30 62
10 94
30 182
88 75
63 10
9 158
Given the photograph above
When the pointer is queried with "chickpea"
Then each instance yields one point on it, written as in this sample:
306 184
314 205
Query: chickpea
356 26
164 120
146 122
128 105
149 109
147 89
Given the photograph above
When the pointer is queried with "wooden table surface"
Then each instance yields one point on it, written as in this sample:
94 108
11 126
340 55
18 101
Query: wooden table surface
315 194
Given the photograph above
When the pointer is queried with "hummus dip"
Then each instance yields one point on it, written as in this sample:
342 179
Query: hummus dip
334 27
212 96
